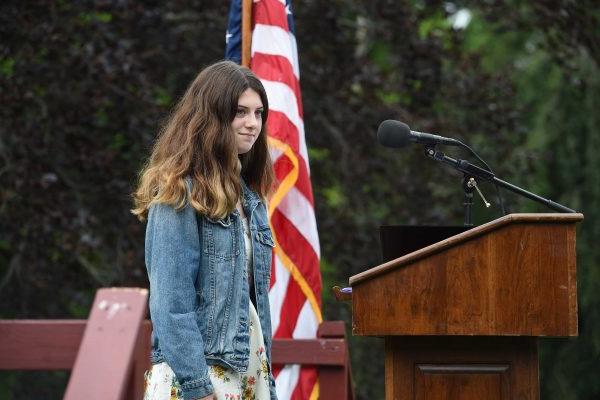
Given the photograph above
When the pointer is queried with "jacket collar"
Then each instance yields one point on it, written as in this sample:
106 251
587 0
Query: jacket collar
251 199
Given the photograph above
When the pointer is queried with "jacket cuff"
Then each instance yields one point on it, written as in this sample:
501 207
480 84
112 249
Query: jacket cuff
197 389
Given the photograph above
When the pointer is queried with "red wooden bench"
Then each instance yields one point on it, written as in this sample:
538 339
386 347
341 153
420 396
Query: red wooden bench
109 352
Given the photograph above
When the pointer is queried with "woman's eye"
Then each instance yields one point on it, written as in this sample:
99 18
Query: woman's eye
240 112
258 114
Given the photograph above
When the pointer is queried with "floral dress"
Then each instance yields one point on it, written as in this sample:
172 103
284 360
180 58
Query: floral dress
161 383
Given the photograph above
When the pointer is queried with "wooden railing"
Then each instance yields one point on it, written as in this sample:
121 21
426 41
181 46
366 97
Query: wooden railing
329 352
109 352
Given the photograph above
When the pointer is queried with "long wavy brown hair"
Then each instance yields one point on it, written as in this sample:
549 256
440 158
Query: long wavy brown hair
197 141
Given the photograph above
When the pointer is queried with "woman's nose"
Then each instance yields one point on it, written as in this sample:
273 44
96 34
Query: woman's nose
251 120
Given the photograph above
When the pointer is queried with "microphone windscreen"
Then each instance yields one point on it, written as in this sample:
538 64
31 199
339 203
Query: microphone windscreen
393 133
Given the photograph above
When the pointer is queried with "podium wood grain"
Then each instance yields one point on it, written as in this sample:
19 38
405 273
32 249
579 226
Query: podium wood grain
513 276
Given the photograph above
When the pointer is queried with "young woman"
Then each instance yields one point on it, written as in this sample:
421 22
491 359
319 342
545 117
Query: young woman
208 242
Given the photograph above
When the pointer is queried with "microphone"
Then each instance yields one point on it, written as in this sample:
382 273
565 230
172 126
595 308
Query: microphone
397 134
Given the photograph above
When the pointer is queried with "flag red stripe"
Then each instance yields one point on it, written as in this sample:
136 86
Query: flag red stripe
280 127
290 310
307 379
270 12
299 250
277 69
276 370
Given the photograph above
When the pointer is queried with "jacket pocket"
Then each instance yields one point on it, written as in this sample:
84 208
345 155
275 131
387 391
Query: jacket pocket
266 237
220 238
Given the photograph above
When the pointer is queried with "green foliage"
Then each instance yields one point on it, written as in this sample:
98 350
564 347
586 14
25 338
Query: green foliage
162 97
44 385
88 18
435 24
334 196
392 98
7 67
380 55
317 153
6 386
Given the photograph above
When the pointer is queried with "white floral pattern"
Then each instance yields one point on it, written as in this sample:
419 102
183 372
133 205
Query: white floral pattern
161 383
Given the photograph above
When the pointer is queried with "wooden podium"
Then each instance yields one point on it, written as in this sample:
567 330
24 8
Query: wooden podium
461 318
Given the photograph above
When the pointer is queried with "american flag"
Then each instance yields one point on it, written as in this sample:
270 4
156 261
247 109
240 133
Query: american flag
295 293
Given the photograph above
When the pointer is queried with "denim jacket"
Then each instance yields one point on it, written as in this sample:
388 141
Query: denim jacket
199 292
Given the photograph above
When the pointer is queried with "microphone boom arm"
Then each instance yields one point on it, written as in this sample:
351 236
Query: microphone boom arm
473 170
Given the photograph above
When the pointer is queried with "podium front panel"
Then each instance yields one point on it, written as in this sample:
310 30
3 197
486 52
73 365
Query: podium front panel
461 368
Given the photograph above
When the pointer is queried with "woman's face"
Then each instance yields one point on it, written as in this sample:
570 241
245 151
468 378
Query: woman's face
247 123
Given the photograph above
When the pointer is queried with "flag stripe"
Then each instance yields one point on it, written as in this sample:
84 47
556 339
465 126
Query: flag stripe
312 294
303 389
306 224
276 41
290 310
309 326
284 166
287 380
277 69
271 12
299 249
280 121
282 99
280 127
278 291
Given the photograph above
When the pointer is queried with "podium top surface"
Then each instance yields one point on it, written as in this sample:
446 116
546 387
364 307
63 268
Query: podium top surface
464 237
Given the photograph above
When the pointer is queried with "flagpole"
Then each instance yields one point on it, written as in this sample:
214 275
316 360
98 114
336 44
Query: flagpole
246 32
